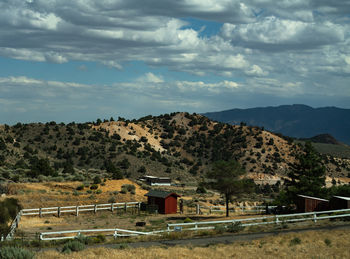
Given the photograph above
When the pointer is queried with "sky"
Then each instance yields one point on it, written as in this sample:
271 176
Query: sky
63 60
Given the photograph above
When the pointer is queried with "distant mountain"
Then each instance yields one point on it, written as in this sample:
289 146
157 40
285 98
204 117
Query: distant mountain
324 138
296 120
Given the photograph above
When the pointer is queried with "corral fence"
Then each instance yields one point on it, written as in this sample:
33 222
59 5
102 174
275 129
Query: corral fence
203 225
264 220
200 209
134 207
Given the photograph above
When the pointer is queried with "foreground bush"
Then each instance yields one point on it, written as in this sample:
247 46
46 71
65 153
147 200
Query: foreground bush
15 253
73 246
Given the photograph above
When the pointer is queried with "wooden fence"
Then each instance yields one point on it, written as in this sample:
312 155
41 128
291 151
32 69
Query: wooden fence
69 209
82 208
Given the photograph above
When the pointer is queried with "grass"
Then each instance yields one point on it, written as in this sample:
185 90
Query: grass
313 245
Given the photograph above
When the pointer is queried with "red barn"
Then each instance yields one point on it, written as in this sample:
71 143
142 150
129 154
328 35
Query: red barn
166 201
309 204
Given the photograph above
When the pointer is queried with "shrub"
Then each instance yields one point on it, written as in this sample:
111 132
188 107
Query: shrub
220 229
187 220
99 191
97 180
73 246
112 200
295 241
80 187
93 187
15 253
235 227
328 242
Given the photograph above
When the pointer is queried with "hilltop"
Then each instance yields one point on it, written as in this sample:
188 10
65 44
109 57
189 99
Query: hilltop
299 121
179 145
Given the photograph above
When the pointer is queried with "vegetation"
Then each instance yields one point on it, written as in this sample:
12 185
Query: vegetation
307 176
225 178
15 253
9 209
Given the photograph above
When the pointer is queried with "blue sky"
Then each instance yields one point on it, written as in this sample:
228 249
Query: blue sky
82 60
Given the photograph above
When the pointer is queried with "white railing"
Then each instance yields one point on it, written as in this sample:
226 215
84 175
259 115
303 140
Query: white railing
59 210
263 220
115 232
80 208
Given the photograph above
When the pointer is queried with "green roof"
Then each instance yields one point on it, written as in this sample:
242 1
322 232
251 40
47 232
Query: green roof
160 194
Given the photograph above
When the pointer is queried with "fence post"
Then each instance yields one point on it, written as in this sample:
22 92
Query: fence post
115 234
139 207
112 207
59 211
77 211
277 220
168 228
2 238
197 208
40 212
41 236
210 210
125 206
95 208
315 218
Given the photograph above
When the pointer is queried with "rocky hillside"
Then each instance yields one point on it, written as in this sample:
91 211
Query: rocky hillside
179 145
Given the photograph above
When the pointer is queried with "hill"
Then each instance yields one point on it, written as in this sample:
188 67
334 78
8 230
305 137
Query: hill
296 120
179 145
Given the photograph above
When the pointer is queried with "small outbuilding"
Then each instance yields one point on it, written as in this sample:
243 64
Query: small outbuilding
165 201
309 204
339 202
155 180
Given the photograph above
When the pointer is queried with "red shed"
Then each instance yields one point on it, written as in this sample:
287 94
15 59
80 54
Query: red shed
166 201
309 204
340 202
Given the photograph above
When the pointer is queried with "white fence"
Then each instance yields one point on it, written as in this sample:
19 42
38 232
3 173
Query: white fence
81 208
68 209
115 232
314 216
203 225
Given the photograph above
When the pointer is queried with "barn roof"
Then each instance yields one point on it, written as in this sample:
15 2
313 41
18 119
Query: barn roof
310 197
342 197
160 194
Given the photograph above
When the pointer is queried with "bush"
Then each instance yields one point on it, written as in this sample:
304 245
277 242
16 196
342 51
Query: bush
99 191
328 242
220 229
15 253
112 200
97 180
295 241
93 187
235 227
80 187
187 220
73 246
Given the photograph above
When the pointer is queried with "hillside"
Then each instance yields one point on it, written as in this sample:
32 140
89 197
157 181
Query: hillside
298 121
180 145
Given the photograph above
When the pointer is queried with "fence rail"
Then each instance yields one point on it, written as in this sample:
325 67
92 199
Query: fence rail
80 208
115 232
263 220
192 226
65 209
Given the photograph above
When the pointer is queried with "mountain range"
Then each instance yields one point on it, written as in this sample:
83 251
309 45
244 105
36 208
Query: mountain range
298 121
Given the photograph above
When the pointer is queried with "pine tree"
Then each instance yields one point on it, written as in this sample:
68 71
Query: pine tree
225 178
307 176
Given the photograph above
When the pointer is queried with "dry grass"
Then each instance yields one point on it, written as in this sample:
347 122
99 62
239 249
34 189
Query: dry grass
36 195
312 245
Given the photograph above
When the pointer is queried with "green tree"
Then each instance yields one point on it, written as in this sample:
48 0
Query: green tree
225 177
307 176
